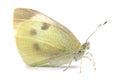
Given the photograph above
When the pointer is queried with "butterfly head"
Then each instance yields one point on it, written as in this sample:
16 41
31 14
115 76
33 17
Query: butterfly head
86 46
82 52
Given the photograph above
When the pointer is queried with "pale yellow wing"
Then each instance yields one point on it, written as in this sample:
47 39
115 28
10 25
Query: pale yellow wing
42 41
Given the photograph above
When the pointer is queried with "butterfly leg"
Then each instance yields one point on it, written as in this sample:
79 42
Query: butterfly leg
90 57
80 65
67 66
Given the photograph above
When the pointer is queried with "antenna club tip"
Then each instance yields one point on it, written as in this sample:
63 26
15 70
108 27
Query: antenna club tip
100 25
105 22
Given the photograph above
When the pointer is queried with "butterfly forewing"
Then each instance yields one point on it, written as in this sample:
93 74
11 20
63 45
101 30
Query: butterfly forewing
42 41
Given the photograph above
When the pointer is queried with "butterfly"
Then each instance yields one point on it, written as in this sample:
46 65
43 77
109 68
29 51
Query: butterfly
42 41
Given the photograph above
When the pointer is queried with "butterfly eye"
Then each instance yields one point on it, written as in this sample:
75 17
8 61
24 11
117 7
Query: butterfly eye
86 45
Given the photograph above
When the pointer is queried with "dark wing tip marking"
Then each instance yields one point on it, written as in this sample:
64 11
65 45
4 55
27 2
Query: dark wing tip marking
21 14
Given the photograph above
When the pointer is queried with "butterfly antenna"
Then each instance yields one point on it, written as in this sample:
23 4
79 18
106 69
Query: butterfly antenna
100 25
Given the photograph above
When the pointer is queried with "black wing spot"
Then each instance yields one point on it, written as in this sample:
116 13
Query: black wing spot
45 26
33 32
36 46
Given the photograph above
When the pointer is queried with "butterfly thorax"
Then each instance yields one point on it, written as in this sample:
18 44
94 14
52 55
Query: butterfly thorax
82 52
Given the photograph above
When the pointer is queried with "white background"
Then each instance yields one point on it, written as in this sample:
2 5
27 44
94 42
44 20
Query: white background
81 17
